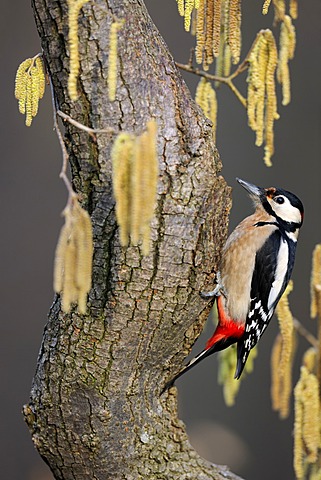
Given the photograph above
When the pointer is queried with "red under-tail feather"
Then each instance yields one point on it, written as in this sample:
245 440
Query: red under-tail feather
226 333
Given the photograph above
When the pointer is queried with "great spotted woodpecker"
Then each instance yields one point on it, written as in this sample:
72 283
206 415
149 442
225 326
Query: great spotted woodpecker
255 269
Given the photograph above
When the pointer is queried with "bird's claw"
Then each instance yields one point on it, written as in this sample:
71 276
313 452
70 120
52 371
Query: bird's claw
218 290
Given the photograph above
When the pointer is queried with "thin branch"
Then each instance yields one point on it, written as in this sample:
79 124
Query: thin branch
33 60
65 156
90 131
305 333
226 80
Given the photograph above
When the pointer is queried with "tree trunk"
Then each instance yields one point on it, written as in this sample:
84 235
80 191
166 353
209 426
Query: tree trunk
95 410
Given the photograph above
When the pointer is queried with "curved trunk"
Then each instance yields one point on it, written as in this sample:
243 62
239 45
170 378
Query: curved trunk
95 410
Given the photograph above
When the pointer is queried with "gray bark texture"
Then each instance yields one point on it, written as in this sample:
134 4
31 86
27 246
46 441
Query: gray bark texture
95 409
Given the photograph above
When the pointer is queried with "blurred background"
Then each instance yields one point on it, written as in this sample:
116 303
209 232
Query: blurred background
248 437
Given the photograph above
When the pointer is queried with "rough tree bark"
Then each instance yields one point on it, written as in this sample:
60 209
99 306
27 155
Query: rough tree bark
95 410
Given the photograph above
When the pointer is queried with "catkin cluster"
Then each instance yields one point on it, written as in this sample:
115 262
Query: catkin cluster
226 372
261 96
30 87
280 9
186 8
135 175
206 98
216 23
282 357
74 6
73 259
306 421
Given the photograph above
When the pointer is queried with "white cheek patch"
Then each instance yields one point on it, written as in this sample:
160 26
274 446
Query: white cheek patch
287 211
280 272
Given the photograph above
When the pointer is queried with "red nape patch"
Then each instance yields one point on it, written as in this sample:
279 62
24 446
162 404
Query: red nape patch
226 328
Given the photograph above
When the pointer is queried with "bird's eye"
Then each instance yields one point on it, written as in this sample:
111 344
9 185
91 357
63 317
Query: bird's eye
279 200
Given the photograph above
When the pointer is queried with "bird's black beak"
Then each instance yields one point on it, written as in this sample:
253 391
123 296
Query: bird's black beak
255 192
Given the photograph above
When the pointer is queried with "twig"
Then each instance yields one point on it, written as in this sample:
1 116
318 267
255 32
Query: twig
90 131
226 80
33 61
65 156
209 76
305 333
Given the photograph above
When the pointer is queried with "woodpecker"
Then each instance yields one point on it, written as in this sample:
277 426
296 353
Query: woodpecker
255 268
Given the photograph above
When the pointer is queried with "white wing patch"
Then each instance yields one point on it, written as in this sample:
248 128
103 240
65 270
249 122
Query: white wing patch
280 272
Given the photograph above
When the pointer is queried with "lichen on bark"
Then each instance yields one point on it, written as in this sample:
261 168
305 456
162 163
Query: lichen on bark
95 409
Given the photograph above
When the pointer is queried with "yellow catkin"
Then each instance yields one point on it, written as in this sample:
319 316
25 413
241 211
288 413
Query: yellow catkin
112 59
186 9
209 19
293 9
144 185
281 379
217 27
234 29
181 7
287 48
200 28
60 258
84 249
151 180
286 391
29 101
40 77
223 60
21 84
315 308
279 10
256 86
74 6
135 177
309 359
306 424
261 100
298 447
226 372
315 473
285 319
206 98
69 289
227 60
73 258
189 6
266 6
271 113
263 58
226 376
138 200
276 381
193 23
30 87
311 412
122 158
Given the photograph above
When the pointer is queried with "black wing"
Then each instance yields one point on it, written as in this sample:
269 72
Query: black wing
265 291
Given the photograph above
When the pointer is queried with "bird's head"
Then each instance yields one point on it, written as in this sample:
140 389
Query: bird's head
283 205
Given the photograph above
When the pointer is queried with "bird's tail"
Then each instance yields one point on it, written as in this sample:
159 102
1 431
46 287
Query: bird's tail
221 344
187 367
